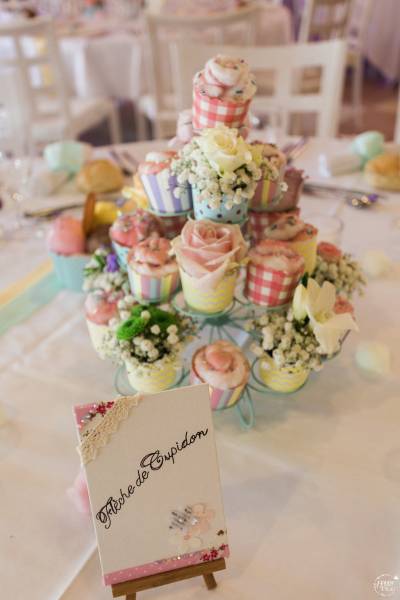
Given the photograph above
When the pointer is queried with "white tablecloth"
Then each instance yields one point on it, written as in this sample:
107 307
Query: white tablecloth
311 493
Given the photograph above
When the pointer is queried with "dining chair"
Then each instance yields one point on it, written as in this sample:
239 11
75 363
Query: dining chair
332 19
32 49
283 62
159 106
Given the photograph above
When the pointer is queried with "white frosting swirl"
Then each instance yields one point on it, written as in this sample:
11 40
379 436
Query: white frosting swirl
226 78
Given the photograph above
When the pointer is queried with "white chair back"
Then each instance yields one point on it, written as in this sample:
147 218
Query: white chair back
31 48
397 126
163 29
324 20
284 61
359 20
14 123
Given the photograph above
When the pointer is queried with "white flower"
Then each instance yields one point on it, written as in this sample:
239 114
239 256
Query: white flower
172 329
299 303
172 339
327 326
124 314
225 150
268 338
155 329
145 314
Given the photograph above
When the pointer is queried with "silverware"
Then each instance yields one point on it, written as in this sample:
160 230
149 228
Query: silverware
128 171
328 190
362 202
46 213
296 149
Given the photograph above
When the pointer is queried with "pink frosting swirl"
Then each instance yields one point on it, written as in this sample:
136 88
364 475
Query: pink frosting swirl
329 252
132 228
152 257
342 306
226 78
66 236
222 365
276 256
284 228
156 162
207 251
101 307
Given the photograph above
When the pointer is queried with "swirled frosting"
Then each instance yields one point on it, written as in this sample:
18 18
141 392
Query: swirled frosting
222 365
101 307
276 256
284 228
134 227
66 236
152 257
226 78
156 162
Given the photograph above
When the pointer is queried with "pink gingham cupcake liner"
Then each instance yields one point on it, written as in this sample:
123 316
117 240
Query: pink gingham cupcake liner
269 287
209 112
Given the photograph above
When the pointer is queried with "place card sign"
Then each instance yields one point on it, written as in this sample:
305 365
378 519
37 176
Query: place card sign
153 480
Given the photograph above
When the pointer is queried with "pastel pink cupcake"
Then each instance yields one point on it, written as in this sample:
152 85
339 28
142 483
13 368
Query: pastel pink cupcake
165 194
222 93
66 245
259 221
226 370
302 237
153 272
100 308
273 272
132 228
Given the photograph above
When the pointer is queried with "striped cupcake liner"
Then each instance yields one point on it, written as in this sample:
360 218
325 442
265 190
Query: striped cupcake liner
153 379
146 288
219 399
308 250
122 254
160 187
282 380
208 301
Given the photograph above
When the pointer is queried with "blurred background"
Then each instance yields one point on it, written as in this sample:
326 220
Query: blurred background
107 70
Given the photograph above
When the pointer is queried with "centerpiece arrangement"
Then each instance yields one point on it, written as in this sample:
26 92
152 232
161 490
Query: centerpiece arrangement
223 224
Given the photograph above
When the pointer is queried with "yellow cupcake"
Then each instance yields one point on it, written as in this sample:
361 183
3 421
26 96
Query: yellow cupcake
284 379
152 379
212 300
383 171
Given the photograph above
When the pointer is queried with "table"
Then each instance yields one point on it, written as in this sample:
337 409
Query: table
311 493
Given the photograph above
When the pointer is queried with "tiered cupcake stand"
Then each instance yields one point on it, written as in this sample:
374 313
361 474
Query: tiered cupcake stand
229 325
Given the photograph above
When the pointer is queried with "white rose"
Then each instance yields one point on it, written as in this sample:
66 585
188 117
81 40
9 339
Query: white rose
225 150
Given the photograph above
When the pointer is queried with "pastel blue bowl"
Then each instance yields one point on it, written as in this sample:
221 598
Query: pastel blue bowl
122 255
69 270
202 210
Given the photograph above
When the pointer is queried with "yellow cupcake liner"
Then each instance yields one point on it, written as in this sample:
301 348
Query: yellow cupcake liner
284 379
308 250
208 300
97 335
152 379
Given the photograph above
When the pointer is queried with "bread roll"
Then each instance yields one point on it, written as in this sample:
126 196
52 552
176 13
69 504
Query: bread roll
383 171
100 176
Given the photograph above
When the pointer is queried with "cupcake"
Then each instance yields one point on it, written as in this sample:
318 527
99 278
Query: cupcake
273 272
164 193
173 225
270 188
259 221
100 308
226 370
302 237
153 273
222 93
130 229
66 245
209 255
289 199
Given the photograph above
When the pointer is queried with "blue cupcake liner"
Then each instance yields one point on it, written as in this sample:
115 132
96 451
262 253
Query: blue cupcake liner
202 210
70 270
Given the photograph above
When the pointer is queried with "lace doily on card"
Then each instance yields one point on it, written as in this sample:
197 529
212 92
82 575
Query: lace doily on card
98 437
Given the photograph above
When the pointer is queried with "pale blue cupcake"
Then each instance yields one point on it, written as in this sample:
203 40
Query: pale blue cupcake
235 215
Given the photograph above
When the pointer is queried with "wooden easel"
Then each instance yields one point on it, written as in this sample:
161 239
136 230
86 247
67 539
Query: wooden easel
130 588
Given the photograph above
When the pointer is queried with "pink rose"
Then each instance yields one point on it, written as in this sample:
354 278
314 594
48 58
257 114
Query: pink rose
221 364
329 252
206 251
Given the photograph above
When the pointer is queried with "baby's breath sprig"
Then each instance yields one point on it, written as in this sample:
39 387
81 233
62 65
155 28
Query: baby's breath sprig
346 275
